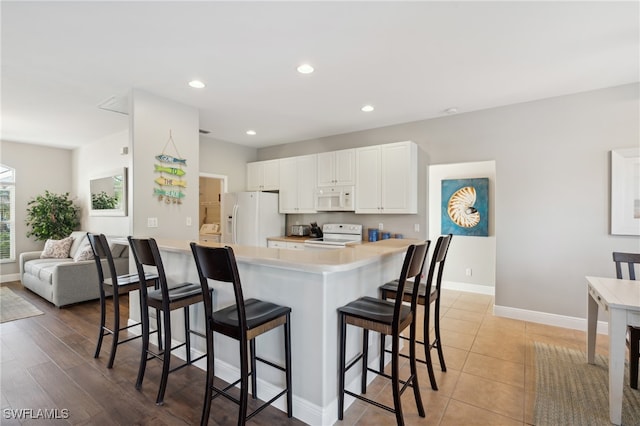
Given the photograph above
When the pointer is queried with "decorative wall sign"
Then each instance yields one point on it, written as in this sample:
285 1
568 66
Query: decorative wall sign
170 187
625 191
465 207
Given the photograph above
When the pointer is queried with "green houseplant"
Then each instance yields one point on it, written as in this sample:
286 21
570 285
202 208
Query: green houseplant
103 201
52 216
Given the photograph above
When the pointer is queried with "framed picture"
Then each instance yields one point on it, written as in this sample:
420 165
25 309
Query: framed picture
465 207
625 191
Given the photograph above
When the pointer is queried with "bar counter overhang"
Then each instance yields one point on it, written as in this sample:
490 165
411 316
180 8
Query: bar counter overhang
314 284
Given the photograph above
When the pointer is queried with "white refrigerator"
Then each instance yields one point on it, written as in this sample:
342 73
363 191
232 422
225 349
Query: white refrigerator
249 218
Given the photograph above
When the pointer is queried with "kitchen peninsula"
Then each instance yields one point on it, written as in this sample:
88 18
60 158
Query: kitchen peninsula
314 284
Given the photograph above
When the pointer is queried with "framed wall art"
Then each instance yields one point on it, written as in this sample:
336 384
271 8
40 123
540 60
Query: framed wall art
625 191
465 207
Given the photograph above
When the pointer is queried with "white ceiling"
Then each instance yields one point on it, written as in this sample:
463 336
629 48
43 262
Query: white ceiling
411 60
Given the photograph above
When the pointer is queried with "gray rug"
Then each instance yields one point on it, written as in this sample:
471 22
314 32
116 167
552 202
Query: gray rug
13 307
571 392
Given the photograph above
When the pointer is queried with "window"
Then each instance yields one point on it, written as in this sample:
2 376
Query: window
7 214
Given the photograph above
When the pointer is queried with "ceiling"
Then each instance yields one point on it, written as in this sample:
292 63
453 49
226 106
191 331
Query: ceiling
410 60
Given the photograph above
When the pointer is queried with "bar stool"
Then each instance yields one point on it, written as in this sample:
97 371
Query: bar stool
146 254
390 291
244 321
387 318
123 285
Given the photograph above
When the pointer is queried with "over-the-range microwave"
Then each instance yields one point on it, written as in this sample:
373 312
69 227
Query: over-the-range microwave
335 198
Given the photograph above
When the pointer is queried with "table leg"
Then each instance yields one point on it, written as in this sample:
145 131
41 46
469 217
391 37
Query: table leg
617 332
592 323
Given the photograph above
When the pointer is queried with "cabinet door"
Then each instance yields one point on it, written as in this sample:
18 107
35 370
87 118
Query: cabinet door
254 176
306 180
345 167
288 199
326 168
368 180
271 175
398 173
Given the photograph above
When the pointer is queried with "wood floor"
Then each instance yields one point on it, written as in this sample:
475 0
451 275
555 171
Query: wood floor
47 362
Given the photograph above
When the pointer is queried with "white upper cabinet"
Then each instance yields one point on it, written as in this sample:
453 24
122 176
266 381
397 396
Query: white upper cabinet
263 175
387 178
337 168
298 184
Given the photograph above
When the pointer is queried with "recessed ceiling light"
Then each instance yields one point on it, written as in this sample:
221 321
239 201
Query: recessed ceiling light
452 110
196 84
251 132
305 69
367 108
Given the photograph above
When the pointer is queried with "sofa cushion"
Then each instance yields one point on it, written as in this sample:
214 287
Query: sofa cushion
84 253
57 249
79 240
43 268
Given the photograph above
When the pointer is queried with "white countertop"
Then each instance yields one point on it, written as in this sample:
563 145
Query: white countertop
317 261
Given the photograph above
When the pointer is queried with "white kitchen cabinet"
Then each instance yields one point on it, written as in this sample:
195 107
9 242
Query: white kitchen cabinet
263 175
387 178
337 168
298 184
286 245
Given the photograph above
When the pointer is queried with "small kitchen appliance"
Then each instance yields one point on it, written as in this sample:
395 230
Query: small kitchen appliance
336 235
300 230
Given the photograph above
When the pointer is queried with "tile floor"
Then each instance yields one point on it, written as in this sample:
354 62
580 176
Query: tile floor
490 377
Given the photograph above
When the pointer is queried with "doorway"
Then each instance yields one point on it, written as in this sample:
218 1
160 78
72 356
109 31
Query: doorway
211 188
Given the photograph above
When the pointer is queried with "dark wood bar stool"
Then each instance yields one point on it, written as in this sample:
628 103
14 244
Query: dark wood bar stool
633 340
165 299
123 284
387 318
390 291
244 321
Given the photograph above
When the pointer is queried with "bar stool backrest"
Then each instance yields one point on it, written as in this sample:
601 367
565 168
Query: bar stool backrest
145 253
219 264
100 247
437 262
411 268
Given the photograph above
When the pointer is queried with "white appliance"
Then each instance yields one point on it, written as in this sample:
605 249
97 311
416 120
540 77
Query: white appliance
335 198
336 235
250 218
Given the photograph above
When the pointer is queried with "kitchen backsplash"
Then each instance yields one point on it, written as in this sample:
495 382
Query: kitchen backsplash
395 224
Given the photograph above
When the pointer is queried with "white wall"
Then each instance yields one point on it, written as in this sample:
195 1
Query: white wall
95 159
475 253
38 168
152 118
228 159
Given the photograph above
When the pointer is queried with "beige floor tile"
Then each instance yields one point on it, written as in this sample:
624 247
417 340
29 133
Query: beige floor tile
511 373
507 349
500 398
458 325
470 306
460 314
458 413
457 339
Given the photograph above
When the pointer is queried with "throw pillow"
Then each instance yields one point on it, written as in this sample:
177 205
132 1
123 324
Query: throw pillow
57 249
84 253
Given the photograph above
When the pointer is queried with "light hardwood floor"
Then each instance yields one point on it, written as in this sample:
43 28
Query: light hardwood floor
47 362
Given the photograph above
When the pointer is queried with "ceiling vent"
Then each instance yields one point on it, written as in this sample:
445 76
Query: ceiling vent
204 132
119 104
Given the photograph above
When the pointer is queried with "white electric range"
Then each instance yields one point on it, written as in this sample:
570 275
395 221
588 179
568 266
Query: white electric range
336 235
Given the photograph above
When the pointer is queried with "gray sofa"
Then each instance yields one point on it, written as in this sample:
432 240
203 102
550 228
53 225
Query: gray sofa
65 281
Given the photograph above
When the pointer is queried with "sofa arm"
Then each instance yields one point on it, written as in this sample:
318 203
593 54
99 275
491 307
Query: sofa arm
75 281
27 256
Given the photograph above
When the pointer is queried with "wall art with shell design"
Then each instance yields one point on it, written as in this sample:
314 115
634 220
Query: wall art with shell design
465 207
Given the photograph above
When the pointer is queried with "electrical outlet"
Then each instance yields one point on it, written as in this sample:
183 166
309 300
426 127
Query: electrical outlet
380 226
468 272
188 220
152 222
416 227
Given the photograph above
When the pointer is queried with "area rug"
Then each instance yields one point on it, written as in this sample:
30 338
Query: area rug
13 307
569 391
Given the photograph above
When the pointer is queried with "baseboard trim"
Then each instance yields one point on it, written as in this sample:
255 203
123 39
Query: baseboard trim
7 278
471 288
546 318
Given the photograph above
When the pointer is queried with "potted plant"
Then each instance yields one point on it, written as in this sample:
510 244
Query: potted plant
52 216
